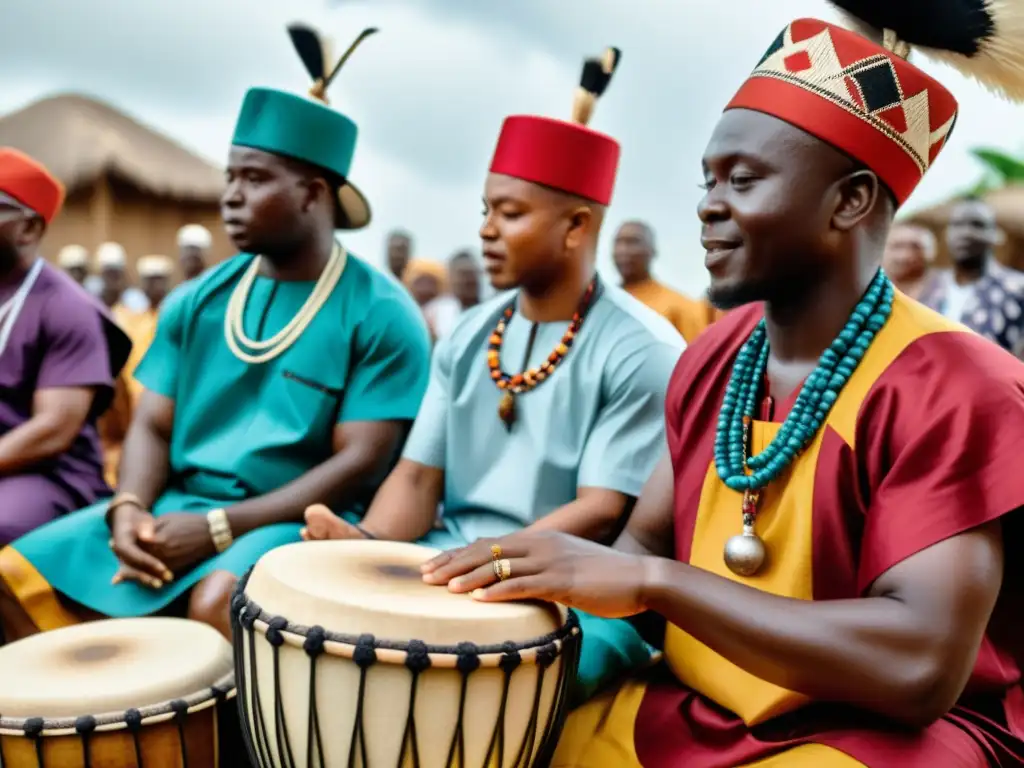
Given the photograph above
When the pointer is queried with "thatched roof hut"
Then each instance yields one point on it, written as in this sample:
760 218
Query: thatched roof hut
1008 205
126 181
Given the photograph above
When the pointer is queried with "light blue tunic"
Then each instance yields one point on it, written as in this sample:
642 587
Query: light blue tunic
597 422
243 430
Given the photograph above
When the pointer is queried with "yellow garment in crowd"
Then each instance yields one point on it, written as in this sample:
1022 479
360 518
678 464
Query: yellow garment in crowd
687 316
113 425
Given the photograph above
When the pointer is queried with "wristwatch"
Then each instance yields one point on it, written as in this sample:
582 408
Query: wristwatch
220 529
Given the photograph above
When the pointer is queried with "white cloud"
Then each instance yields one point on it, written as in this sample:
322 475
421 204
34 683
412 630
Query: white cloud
430 91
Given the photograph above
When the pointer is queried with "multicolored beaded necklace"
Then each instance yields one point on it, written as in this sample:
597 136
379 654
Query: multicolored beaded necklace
745 553
519 383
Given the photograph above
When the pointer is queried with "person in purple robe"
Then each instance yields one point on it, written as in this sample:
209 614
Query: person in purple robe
60 352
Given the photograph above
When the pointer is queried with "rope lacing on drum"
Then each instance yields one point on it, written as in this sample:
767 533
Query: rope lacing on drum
313 645
364 657
133 719
276 640
538 743
84 727
33 729
468 663
180 709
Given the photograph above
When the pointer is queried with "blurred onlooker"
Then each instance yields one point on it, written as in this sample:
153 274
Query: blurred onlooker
633 254
112 265
909 254
978 291
194 243
464 280
74 260
399 252
427 281
155 280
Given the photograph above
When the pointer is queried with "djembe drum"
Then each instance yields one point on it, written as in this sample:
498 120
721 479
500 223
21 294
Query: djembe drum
344 657
122 693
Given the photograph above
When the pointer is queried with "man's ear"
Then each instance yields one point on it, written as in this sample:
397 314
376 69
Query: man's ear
857 195
581 221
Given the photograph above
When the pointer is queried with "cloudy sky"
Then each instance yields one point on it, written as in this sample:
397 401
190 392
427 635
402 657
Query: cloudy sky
429 92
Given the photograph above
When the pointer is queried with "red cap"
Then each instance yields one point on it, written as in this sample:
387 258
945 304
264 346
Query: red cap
856 95
566 156
28 182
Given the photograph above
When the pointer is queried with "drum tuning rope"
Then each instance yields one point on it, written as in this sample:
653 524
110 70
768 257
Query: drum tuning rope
250 623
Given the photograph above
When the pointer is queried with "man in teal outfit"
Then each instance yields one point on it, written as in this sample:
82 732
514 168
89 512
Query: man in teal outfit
546 405
274 381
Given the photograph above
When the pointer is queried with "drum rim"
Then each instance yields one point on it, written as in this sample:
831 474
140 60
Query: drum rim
222 690
248 613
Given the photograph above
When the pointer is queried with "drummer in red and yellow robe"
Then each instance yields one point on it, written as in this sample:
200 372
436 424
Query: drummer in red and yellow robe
829 541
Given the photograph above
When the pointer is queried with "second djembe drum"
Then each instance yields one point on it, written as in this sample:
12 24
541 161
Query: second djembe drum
122 693
345 657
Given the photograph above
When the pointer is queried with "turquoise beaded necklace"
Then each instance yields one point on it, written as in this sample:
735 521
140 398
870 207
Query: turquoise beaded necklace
745 553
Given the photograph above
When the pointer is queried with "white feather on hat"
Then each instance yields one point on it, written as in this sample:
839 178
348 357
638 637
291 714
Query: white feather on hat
72 256
111 256
154 266
194 235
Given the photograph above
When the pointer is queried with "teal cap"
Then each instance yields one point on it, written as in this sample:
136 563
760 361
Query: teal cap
306 129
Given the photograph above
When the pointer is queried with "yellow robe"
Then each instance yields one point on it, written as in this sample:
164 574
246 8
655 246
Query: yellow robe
113 426
688 316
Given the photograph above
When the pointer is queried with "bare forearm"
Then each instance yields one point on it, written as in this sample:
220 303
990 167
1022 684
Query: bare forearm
39 439
145 462
884 657
405 507
334 482
595 517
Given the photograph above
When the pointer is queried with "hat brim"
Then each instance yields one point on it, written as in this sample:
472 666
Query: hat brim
353 208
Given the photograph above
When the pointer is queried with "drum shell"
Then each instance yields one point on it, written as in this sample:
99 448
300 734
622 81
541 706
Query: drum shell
80 669
360 687
386 693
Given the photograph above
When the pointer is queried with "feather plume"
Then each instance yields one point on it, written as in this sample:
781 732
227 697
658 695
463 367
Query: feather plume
316 54
310 49
351 49
594 80
983 39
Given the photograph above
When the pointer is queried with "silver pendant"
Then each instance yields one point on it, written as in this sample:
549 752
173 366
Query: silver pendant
745 553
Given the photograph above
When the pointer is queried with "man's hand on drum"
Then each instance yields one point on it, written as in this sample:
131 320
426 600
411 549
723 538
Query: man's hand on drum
129 527
546 566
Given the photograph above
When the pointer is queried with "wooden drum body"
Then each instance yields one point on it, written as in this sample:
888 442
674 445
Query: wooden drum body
123 693
344 657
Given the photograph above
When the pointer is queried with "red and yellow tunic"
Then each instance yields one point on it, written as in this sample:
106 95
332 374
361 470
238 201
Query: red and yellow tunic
923 443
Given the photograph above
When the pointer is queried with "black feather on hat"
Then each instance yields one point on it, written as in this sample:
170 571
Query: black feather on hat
315 51
983 39
597 74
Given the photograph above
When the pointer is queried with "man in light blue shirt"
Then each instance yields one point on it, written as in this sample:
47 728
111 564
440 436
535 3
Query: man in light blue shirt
545 407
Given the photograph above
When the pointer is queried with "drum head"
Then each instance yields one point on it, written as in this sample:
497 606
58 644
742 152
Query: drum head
110 666
375 587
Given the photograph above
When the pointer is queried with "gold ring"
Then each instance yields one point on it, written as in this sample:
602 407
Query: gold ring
495 551
505 569
496 567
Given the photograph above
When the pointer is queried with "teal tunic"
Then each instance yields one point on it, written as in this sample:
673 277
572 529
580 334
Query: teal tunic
242 430
598 421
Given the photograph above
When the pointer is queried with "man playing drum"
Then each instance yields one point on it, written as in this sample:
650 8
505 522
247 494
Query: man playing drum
273 381
567 444
826 539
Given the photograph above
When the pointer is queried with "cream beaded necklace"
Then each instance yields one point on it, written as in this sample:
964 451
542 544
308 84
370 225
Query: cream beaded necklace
255 352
